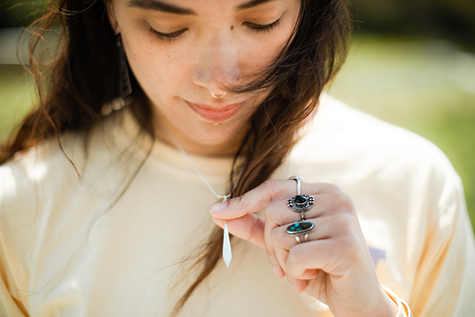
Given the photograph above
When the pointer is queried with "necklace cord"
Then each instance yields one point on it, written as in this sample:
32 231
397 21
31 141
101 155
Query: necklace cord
226 249
222 197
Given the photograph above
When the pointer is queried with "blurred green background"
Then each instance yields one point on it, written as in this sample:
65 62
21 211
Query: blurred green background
412 63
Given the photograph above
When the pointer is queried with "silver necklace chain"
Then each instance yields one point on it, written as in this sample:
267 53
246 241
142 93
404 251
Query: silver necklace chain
222 197
227 253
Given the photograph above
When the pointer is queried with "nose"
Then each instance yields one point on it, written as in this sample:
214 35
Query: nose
217 65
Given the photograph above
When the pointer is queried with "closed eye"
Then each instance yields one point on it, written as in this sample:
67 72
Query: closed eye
167 36
262 27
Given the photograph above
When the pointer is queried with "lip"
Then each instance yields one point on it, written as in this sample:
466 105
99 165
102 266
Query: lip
213 114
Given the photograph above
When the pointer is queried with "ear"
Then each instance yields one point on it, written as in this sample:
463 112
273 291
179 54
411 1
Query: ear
111 15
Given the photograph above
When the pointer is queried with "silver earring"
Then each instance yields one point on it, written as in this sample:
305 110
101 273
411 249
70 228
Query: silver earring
125 88
218 96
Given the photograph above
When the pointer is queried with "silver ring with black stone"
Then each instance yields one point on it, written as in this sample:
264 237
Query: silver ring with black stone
297 179
300 203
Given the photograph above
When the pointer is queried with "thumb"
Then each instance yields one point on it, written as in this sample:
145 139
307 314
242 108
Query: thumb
249 227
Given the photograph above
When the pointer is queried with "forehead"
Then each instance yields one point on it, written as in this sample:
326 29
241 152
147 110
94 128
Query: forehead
190 7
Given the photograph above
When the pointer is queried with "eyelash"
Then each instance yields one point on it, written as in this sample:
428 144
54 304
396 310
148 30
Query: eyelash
167 36
261 27
255 27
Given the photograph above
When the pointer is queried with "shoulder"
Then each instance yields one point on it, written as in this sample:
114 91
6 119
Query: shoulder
376 162
343 130
34 173
341 134
56 169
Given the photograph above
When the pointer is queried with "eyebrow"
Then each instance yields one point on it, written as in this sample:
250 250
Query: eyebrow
158 5
161 6
252 3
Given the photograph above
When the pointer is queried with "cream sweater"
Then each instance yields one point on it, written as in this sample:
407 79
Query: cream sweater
94 239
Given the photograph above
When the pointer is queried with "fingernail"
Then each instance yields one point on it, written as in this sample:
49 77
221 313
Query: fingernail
276 272
218 207
293 287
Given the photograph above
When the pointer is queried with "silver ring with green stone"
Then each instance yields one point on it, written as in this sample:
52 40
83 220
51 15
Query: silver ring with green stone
305 238
300 228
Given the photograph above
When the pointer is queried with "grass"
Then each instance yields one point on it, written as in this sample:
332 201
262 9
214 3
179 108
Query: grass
16 96
426 86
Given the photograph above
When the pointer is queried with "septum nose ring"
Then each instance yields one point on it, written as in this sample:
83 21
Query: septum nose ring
218 96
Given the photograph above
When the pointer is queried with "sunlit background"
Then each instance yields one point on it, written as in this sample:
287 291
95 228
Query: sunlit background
412 63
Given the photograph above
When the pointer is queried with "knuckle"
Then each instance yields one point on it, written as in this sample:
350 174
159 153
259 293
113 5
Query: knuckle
267 188
241 200
344 220
276 236
269 184
345 224
343 202
333 188
272 257
293 257
253 229
346 227
270 212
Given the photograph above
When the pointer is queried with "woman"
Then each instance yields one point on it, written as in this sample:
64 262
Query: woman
104 214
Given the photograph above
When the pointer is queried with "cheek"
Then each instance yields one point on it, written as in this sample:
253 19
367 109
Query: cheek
263 56
157 69
260 55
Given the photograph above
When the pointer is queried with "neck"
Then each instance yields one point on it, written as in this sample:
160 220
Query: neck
221 197
227 148
214 150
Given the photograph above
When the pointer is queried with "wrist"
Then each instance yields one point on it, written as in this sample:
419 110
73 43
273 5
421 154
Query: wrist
379 303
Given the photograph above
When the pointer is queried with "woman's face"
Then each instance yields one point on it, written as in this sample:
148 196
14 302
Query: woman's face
183 51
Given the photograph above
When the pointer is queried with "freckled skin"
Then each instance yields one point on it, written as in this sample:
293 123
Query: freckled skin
182 59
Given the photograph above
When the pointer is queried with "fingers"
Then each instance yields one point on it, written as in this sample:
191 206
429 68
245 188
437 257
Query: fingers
249 227
327 206
298 285
270 196
328 256
334 246
252 201
324 229
333 264
260 197
299 262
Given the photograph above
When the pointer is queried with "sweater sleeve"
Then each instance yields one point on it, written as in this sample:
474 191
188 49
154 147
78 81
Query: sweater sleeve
403 309
445 277
10 298
10 303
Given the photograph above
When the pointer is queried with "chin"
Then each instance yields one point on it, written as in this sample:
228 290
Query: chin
222 143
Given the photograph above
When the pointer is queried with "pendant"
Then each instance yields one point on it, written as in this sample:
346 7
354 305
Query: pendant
227 253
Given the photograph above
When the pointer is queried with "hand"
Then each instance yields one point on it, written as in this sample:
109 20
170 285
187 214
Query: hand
334 265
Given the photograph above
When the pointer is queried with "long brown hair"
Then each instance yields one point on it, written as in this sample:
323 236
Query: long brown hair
82 76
